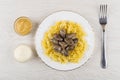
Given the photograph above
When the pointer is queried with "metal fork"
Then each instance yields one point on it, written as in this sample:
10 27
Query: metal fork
103 22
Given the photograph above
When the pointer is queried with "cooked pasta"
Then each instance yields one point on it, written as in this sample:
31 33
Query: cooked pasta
74 55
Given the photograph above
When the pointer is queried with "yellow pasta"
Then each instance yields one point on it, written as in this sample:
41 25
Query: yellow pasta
74 55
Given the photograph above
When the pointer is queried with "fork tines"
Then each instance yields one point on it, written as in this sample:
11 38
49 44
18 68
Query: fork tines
103 13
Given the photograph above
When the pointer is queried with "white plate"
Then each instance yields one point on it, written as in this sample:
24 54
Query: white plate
51 20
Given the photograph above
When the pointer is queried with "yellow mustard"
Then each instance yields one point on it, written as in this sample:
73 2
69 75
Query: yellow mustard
23 25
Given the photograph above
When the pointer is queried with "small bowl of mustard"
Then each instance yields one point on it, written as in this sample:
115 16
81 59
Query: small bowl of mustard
23 25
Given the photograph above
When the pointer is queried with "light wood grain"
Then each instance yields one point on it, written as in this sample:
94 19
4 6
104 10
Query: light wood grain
37 10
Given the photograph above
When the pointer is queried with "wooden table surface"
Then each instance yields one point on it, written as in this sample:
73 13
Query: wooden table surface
37 10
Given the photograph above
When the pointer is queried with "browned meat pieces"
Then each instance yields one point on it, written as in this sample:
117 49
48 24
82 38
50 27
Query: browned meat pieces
64 42
57 37
63 33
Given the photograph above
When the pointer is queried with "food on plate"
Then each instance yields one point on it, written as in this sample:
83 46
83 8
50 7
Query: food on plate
65 42
23 25
23 53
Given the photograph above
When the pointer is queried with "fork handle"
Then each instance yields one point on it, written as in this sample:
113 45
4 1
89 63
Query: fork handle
103 55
